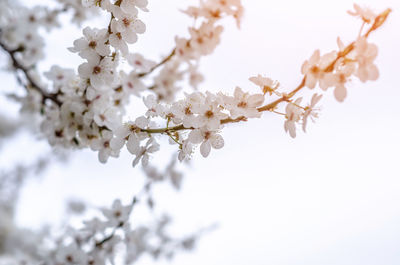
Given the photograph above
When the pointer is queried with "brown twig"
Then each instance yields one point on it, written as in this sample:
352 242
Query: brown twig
32 83
165 60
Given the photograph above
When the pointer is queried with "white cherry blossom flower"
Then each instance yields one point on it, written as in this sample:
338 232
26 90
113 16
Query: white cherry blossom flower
140 63
108 117
293 115
117 41
340 77
94 226
186 150
101 73
103 146
311 111
211 113
131 84
93 3
366 14
195 77
266 84
154 108
128 25
207 139
183 49
215 10
184 110
243 104
313 69
130 134
118 214
143 153
60 77
365 56
71 255
92 44
129 6
206 38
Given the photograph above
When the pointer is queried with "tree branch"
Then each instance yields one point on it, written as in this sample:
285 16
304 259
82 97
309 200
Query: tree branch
32 83
135 200
166 59
379 20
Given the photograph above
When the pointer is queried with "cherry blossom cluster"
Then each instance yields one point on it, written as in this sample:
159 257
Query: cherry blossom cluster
19 30
88 108
107 238
334 70
98 240
204 37
204 114
199 118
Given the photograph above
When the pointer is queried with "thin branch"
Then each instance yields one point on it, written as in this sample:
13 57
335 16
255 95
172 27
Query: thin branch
32 83
165 60
181 127
135 200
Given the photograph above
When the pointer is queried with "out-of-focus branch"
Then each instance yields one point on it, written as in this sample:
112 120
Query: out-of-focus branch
32 84
135 200
165 60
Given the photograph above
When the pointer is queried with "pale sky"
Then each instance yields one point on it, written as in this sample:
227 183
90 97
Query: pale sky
330 196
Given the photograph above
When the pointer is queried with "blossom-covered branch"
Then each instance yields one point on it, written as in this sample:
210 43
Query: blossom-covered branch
204 114
88 106
91 105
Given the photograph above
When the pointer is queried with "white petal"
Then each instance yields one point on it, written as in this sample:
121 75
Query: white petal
133 145
139 26
122 132
217 142
117 143
142 122
255 100
136 161
145 160
130 37
153 148
103 155
205 148
196 136
340 93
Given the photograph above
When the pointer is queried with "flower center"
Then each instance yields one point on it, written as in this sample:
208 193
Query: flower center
188 111
209 114
242 104
92 44
315 69
126 22
96 70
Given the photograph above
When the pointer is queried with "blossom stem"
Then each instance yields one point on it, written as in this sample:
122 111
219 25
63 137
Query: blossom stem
169 130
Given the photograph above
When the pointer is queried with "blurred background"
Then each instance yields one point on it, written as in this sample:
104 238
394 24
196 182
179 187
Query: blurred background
330 196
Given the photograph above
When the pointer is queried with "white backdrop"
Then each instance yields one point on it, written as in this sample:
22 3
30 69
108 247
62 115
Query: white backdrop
330 196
